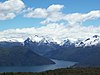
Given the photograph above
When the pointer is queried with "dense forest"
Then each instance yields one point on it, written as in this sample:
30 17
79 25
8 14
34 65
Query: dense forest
63 71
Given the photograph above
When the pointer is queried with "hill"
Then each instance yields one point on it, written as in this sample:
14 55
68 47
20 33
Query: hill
21 56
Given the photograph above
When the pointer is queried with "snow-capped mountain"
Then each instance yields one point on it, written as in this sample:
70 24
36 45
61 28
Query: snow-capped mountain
68 42
34 38
40 39
93 41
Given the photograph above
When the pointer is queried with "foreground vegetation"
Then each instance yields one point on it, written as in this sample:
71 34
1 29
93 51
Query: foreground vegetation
63 71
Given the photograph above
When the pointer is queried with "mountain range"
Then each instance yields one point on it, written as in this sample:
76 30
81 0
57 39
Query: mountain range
40 48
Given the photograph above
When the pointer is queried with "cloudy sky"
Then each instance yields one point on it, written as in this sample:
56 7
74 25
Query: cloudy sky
55 18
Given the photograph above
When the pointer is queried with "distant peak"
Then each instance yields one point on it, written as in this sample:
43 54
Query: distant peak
36 35
28 40
96 36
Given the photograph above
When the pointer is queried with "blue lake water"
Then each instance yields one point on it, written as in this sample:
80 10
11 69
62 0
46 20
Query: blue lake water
59 64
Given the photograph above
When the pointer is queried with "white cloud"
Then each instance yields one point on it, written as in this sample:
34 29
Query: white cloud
53 14
55 8
58 32
77 18
37 13
10 8
53 17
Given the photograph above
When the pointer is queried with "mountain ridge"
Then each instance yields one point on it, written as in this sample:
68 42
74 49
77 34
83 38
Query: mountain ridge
94 40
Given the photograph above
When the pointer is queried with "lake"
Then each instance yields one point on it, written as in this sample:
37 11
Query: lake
59 64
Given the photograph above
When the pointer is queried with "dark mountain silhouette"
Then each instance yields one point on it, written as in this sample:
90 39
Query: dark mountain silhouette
19 55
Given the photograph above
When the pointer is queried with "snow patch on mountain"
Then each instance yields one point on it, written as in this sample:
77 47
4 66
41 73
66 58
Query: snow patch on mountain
89 41
42 39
